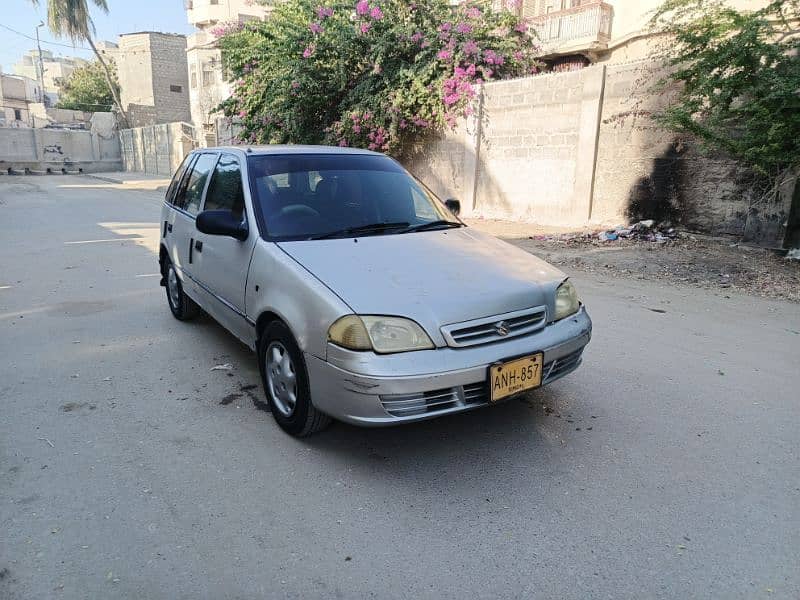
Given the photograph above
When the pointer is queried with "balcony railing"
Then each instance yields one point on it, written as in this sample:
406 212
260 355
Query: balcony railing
582 27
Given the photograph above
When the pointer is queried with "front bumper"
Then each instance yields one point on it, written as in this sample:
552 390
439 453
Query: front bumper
372 390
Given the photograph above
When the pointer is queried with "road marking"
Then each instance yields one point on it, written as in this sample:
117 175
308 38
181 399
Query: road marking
101 241
150 275
5 287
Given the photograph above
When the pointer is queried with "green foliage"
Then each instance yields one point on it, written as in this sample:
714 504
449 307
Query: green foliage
740 78
70 18
87 89
372 73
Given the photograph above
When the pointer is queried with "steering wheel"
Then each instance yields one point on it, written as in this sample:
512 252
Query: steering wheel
298 210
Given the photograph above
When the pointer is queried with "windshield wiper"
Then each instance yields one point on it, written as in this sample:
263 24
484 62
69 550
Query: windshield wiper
439 224
360 229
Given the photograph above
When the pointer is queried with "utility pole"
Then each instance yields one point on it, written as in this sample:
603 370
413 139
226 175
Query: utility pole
41 65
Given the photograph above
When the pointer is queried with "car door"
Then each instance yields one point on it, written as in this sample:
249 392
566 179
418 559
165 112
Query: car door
171 211
220 263
188 200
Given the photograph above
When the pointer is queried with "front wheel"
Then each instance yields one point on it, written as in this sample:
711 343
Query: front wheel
283 373
183 308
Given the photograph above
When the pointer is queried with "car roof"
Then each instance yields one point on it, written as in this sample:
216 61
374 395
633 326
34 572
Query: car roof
288 149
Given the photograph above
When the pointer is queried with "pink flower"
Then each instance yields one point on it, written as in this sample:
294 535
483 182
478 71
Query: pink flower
324 11
443 54
403 124
464 28
357 128
315 28
362 7
364 27
445 27
470 47
474 13
295 85
242 114
343 143
518 55
493 58
309 51
416 37
522 27
376 13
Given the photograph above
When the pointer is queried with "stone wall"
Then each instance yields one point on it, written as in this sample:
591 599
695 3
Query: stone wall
578 149
156 149
56 149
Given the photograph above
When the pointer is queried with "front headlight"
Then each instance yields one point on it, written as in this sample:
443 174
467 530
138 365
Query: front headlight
567 302
384 335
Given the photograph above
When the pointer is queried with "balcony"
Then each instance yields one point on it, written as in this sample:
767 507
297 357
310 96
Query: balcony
580 29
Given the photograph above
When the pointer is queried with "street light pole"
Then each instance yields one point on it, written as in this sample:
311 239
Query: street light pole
41 65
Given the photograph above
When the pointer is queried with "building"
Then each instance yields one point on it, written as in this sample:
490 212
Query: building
153 78
56 70
207 85
576 33
18 97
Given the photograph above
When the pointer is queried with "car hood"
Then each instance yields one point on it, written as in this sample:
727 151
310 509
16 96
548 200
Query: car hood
435 277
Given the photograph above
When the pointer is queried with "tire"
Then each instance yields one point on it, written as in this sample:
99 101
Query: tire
182 307
285 380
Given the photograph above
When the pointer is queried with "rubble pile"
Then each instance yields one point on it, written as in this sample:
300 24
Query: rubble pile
643 231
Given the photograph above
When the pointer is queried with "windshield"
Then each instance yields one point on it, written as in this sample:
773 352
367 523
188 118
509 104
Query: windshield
307 196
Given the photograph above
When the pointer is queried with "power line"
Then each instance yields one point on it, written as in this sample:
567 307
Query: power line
73 47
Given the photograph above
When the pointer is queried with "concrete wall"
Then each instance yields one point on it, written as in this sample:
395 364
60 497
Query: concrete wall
41 149
156 149
576 149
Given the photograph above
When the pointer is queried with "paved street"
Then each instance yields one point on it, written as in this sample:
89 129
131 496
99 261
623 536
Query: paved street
668 466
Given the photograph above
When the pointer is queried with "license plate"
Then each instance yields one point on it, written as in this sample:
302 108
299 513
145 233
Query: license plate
515 376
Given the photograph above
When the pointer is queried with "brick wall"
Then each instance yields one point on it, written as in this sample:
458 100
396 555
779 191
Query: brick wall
153 76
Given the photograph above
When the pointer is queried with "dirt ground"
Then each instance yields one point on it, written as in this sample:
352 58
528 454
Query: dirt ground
705 261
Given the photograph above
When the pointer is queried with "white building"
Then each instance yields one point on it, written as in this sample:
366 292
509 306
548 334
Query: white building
207 86
18 97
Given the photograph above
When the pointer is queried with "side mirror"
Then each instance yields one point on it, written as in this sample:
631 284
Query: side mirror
221 222
453 205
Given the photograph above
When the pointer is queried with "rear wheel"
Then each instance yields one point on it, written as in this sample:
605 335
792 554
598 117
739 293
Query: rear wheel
285 379
183 308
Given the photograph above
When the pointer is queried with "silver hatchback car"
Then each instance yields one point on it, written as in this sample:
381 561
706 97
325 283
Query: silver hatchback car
365 297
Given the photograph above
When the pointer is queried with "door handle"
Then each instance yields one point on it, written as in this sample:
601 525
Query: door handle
169 227
198 245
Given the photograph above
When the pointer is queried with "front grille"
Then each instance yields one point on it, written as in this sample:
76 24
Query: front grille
496 328
459 397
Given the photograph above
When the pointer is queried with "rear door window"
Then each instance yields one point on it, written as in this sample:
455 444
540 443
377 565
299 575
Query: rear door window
176 180
225 192
192 192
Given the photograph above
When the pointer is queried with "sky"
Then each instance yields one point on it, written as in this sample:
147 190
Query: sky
124 16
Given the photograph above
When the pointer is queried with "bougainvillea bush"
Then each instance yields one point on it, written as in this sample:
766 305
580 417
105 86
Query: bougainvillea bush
367 73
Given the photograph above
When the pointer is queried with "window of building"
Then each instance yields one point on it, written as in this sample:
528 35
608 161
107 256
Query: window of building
208 78
176 88
193 79
214 2
17 114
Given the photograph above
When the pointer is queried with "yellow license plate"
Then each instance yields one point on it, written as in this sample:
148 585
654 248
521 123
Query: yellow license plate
515 376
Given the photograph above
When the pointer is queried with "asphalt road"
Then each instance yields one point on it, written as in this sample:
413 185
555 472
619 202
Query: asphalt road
666 467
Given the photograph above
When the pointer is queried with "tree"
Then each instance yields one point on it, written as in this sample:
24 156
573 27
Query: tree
87 89
739 79
367 73
71 18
